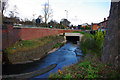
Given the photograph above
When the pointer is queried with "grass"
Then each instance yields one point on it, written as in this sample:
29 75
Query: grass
30 44
58 45
78 32
89 68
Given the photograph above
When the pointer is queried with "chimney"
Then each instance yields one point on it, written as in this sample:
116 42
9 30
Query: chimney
104 19
92 26
107 18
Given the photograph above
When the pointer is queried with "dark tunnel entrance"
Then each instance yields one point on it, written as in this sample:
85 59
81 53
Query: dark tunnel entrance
72 38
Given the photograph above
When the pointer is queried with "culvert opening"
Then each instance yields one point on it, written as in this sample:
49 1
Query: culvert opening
72 39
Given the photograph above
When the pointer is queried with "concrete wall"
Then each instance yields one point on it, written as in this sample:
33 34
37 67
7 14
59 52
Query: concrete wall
111 48
10 34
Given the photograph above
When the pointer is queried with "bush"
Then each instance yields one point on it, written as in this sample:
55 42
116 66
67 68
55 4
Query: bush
99 39
92 43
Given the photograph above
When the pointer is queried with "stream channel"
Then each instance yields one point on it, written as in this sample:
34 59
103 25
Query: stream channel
64 56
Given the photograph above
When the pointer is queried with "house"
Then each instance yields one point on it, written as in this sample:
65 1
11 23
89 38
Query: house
65 22
94 26
103 24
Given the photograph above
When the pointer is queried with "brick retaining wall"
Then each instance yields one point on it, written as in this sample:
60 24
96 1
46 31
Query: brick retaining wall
10 34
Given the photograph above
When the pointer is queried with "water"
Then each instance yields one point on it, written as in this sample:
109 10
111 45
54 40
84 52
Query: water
64 56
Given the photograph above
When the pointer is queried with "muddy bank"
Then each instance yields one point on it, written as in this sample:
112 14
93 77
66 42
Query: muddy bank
30 55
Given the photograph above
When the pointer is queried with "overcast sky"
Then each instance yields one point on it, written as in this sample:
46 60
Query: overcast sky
79 11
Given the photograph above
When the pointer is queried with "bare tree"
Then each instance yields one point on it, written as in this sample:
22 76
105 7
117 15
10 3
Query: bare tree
47 12
4 6
14 12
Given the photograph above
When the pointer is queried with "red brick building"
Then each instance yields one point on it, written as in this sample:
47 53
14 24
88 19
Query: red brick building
103 24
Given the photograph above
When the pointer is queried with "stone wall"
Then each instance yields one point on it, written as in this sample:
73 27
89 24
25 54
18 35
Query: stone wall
32 54
111 48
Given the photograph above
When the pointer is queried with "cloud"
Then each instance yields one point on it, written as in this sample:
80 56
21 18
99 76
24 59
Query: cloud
85 10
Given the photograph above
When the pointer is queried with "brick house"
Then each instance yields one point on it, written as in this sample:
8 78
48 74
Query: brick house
103 24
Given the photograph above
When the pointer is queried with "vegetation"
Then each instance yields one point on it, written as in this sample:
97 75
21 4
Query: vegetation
92 44
55 24
58 45
78 32
86 28
29 44
47 12
89 68
82 28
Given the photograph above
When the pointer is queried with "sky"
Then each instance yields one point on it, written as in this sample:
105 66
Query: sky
79 11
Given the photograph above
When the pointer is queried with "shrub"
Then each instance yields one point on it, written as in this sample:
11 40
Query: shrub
92 43
99 39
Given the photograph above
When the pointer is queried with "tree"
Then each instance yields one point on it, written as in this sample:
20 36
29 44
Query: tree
47 12
13 14
82 28
4 6
53 23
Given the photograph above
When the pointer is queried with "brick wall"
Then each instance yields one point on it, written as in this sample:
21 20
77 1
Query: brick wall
32 33
10 35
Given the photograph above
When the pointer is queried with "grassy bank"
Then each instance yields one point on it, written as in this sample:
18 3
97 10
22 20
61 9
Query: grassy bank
30 44
89 68
78 32
58 45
